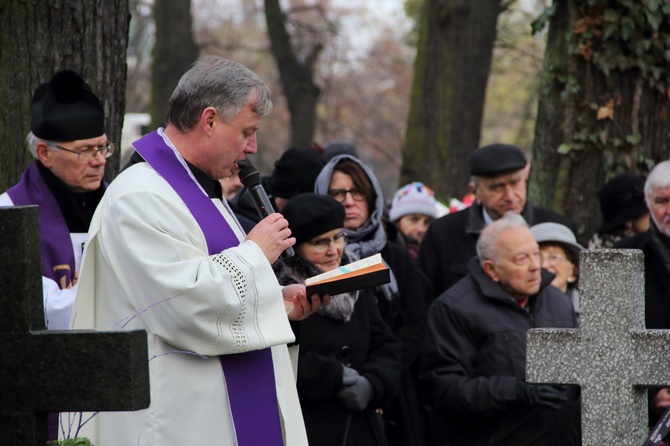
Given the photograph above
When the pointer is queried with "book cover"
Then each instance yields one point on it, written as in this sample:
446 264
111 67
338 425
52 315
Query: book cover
363 273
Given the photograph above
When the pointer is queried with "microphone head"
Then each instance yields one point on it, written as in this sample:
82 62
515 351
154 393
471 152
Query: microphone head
249 175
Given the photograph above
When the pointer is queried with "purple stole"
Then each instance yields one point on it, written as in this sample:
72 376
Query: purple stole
249 376
55 242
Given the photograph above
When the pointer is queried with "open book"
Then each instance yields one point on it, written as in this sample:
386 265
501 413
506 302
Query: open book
363 273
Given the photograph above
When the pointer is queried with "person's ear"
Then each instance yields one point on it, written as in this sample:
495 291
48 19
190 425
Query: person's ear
208 119
490 270
44 154
472 188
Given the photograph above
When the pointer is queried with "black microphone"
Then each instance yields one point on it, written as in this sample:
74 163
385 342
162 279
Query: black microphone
251 179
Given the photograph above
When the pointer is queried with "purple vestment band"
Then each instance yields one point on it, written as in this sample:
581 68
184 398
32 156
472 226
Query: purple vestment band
249 376
55 242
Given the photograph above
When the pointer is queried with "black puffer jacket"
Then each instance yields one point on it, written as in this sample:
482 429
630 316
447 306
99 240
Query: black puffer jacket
475 352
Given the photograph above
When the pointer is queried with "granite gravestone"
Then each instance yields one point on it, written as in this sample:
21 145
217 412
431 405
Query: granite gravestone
54 371
611 356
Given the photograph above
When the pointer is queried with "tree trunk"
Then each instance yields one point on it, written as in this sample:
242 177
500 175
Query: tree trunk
296 77
39 38
174 52
452 65
603 106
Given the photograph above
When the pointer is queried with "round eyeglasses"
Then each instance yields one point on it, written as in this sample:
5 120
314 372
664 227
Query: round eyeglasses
321 245
106 150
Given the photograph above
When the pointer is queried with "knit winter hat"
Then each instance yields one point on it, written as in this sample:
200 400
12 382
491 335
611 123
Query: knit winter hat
310 215
621 199
65 109
413 198
296 171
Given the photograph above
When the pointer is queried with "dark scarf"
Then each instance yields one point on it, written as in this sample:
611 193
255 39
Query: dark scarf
660 244
296 269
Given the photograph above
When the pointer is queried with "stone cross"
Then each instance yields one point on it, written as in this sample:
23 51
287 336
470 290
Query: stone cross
54 371
611 356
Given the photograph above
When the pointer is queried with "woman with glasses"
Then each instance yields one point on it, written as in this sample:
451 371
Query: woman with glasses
559 253
349 362
401 302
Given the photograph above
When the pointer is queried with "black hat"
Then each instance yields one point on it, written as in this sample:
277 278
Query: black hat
621 199
65 109
296 171
496 159
310 215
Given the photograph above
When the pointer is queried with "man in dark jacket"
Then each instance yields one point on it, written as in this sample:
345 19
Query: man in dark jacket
499 174
294 173
655 243
474 359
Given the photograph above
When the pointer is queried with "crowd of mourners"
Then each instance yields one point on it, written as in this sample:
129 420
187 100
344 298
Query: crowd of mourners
465 287
435 356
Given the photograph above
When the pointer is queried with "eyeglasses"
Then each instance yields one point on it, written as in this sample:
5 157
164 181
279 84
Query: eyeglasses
341 194
321 245
105 150
552 259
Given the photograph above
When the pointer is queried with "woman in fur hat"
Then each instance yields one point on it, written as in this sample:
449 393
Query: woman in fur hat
349 362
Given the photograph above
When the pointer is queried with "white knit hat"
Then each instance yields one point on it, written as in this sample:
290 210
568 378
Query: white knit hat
413 198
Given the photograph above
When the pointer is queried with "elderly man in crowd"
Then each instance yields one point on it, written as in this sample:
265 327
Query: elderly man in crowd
68 141
474 360
499 175
655 243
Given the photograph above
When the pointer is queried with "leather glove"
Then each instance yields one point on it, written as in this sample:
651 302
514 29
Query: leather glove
349 375
358 395
544 395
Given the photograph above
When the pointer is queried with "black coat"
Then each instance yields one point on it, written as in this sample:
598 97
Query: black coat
656 280
406 316
449 242
364 343
656 290
475 352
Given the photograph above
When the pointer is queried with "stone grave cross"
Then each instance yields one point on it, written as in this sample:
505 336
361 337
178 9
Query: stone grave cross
611 356
54 371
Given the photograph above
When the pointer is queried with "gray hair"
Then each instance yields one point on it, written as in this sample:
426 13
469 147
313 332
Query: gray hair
659 177
33 141
216 82
487 245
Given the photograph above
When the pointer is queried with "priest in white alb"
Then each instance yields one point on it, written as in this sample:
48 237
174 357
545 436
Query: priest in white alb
167 255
